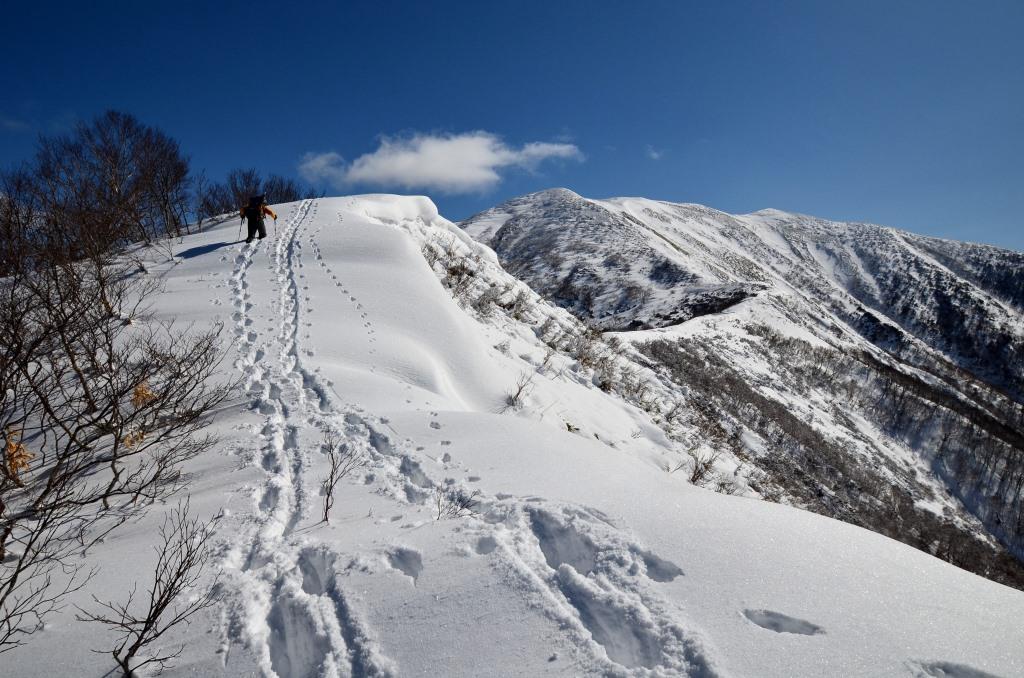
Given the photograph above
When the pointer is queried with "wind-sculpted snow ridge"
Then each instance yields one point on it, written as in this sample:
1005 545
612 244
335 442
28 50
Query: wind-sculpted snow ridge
862 372
510 513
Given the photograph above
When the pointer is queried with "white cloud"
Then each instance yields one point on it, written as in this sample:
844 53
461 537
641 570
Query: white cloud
327 167
654 153
453 163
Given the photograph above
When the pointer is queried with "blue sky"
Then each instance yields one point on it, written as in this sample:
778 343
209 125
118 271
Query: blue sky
909 114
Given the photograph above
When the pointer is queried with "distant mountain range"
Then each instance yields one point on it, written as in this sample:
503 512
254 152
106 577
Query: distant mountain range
859 371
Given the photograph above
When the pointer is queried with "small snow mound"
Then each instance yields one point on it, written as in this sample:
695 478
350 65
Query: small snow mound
486 545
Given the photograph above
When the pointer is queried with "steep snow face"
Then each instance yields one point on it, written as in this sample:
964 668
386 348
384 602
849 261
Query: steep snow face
580 555
902 355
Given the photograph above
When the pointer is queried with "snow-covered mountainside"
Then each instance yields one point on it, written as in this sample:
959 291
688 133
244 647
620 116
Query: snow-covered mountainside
862 372
510 514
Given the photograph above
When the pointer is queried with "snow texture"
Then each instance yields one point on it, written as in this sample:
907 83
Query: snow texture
582 557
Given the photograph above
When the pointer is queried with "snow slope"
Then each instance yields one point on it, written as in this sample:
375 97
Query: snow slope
902 355
585 558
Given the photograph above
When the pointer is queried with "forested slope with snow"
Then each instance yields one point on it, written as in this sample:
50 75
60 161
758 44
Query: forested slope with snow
374 320
862 372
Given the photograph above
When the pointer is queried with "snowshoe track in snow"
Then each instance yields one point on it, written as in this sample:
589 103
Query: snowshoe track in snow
613 613
605 582
308 627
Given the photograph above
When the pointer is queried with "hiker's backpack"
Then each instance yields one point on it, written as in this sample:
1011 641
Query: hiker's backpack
254 210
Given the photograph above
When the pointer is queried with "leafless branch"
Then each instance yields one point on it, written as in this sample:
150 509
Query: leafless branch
455 502
181 560
343 459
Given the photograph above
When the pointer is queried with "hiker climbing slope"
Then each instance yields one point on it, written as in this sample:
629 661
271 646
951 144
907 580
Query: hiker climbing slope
253 213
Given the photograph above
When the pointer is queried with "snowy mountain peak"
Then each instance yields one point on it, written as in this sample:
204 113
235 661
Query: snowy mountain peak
773 213
557 193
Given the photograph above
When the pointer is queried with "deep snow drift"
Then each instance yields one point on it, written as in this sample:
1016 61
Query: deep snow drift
585 558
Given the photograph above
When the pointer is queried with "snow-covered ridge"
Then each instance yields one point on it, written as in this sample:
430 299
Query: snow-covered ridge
584 556
633 259
908 361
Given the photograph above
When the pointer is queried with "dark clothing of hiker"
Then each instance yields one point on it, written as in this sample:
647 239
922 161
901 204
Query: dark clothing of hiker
253 213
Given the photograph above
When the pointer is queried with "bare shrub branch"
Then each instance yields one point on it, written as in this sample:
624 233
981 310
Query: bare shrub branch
343 460
703 470
103 407
182 556
455 502
514 398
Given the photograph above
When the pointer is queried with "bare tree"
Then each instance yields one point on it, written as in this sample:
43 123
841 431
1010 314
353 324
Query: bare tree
282 189
215 199
211 200
343 460
20 230
549 354
672 468
100 408
110 182
243 183
675 412
182 556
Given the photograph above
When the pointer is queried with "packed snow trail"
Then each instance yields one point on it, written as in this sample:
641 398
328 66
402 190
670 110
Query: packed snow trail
285 580
308 629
